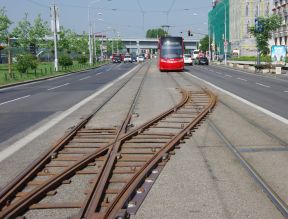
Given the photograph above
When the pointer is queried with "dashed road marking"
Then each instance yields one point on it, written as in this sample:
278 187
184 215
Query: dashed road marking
242 79
9 101
263 85
7 152
267 112
59 86
286 91
228 76
84 78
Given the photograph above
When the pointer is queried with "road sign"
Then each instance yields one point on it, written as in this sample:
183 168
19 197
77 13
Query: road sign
225 43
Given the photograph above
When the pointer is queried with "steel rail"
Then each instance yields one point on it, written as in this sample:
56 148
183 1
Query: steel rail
8 192
131 186
272 195
99 183
71 170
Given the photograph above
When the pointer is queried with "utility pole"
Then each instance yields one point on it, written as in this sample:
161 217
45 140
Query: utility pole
101 47
55 29
9 57
89 37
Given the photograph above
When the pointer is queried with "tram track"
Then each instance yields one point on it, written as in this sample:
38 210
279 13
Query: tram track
114 163
69 154
275 198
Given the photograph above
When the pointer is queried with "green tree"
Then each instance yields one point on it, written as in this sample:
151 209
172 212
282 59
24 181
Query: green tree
263 33
21 32
204 43
29 34
67 41
4 25
155 33
38 31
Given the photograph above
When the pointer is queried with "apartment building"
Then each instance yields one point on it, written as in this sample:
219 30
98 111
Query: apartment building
242 16
281 34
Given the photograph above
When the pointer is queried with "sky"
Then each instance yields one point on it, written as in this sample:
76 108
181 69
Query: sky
126 18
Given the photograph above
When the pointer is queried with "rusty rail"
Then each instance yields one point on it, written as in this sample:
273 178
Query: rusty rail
13 201
118 162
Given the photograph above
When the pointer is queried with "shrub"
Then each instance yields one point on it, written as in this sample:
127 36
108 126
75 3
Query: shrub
252 58
26 61
65 61
82 59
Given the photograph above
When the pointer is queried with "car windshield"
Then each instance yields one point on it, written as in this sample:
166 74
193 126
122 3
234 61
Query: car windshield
127 56
187 56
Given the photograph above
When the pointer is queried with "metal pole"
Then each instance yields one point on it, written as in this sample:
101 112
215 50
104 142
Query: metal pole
9 58
89 37
101 48
209 42
94 39
112 46
225 52
55 39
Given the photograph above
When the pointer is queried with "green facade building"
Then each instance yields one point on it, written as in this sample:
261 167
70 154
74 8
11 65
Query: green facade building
216 27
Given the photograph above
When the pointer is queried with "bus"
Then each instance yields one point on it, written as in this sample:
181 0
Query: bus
170 54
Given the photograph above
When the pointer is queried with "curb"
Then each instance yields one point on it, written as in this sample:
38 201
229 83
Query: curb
49 77
269 75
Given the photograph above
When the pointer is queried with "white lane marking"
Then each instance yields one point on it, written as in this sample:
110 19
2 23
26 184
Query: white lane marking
84 78
20 98
220 73
59 86
286 91
242 79
263 85
228 76
7 152
267 112
100 73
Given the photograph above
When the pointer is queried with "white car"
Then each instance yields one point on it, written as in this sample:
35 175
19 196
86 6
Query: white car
140 58
127 58
188 59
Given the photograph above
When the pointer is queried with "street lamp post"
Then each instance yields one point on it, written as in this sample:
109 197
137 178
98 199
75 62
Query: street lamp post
225 36
89 38
91 49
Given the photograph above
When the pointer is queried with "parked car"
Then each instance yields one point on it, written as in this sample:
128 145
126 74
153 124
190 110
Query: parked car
188 59
140 58
127 58
203 61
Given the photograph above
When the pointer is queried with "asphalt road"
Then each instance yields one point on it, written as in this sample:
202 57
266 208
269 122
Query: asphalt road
23 106
267 92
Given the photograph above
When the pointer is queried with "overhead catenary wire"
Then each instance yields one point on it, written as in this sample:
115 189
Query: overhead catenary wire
39 4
